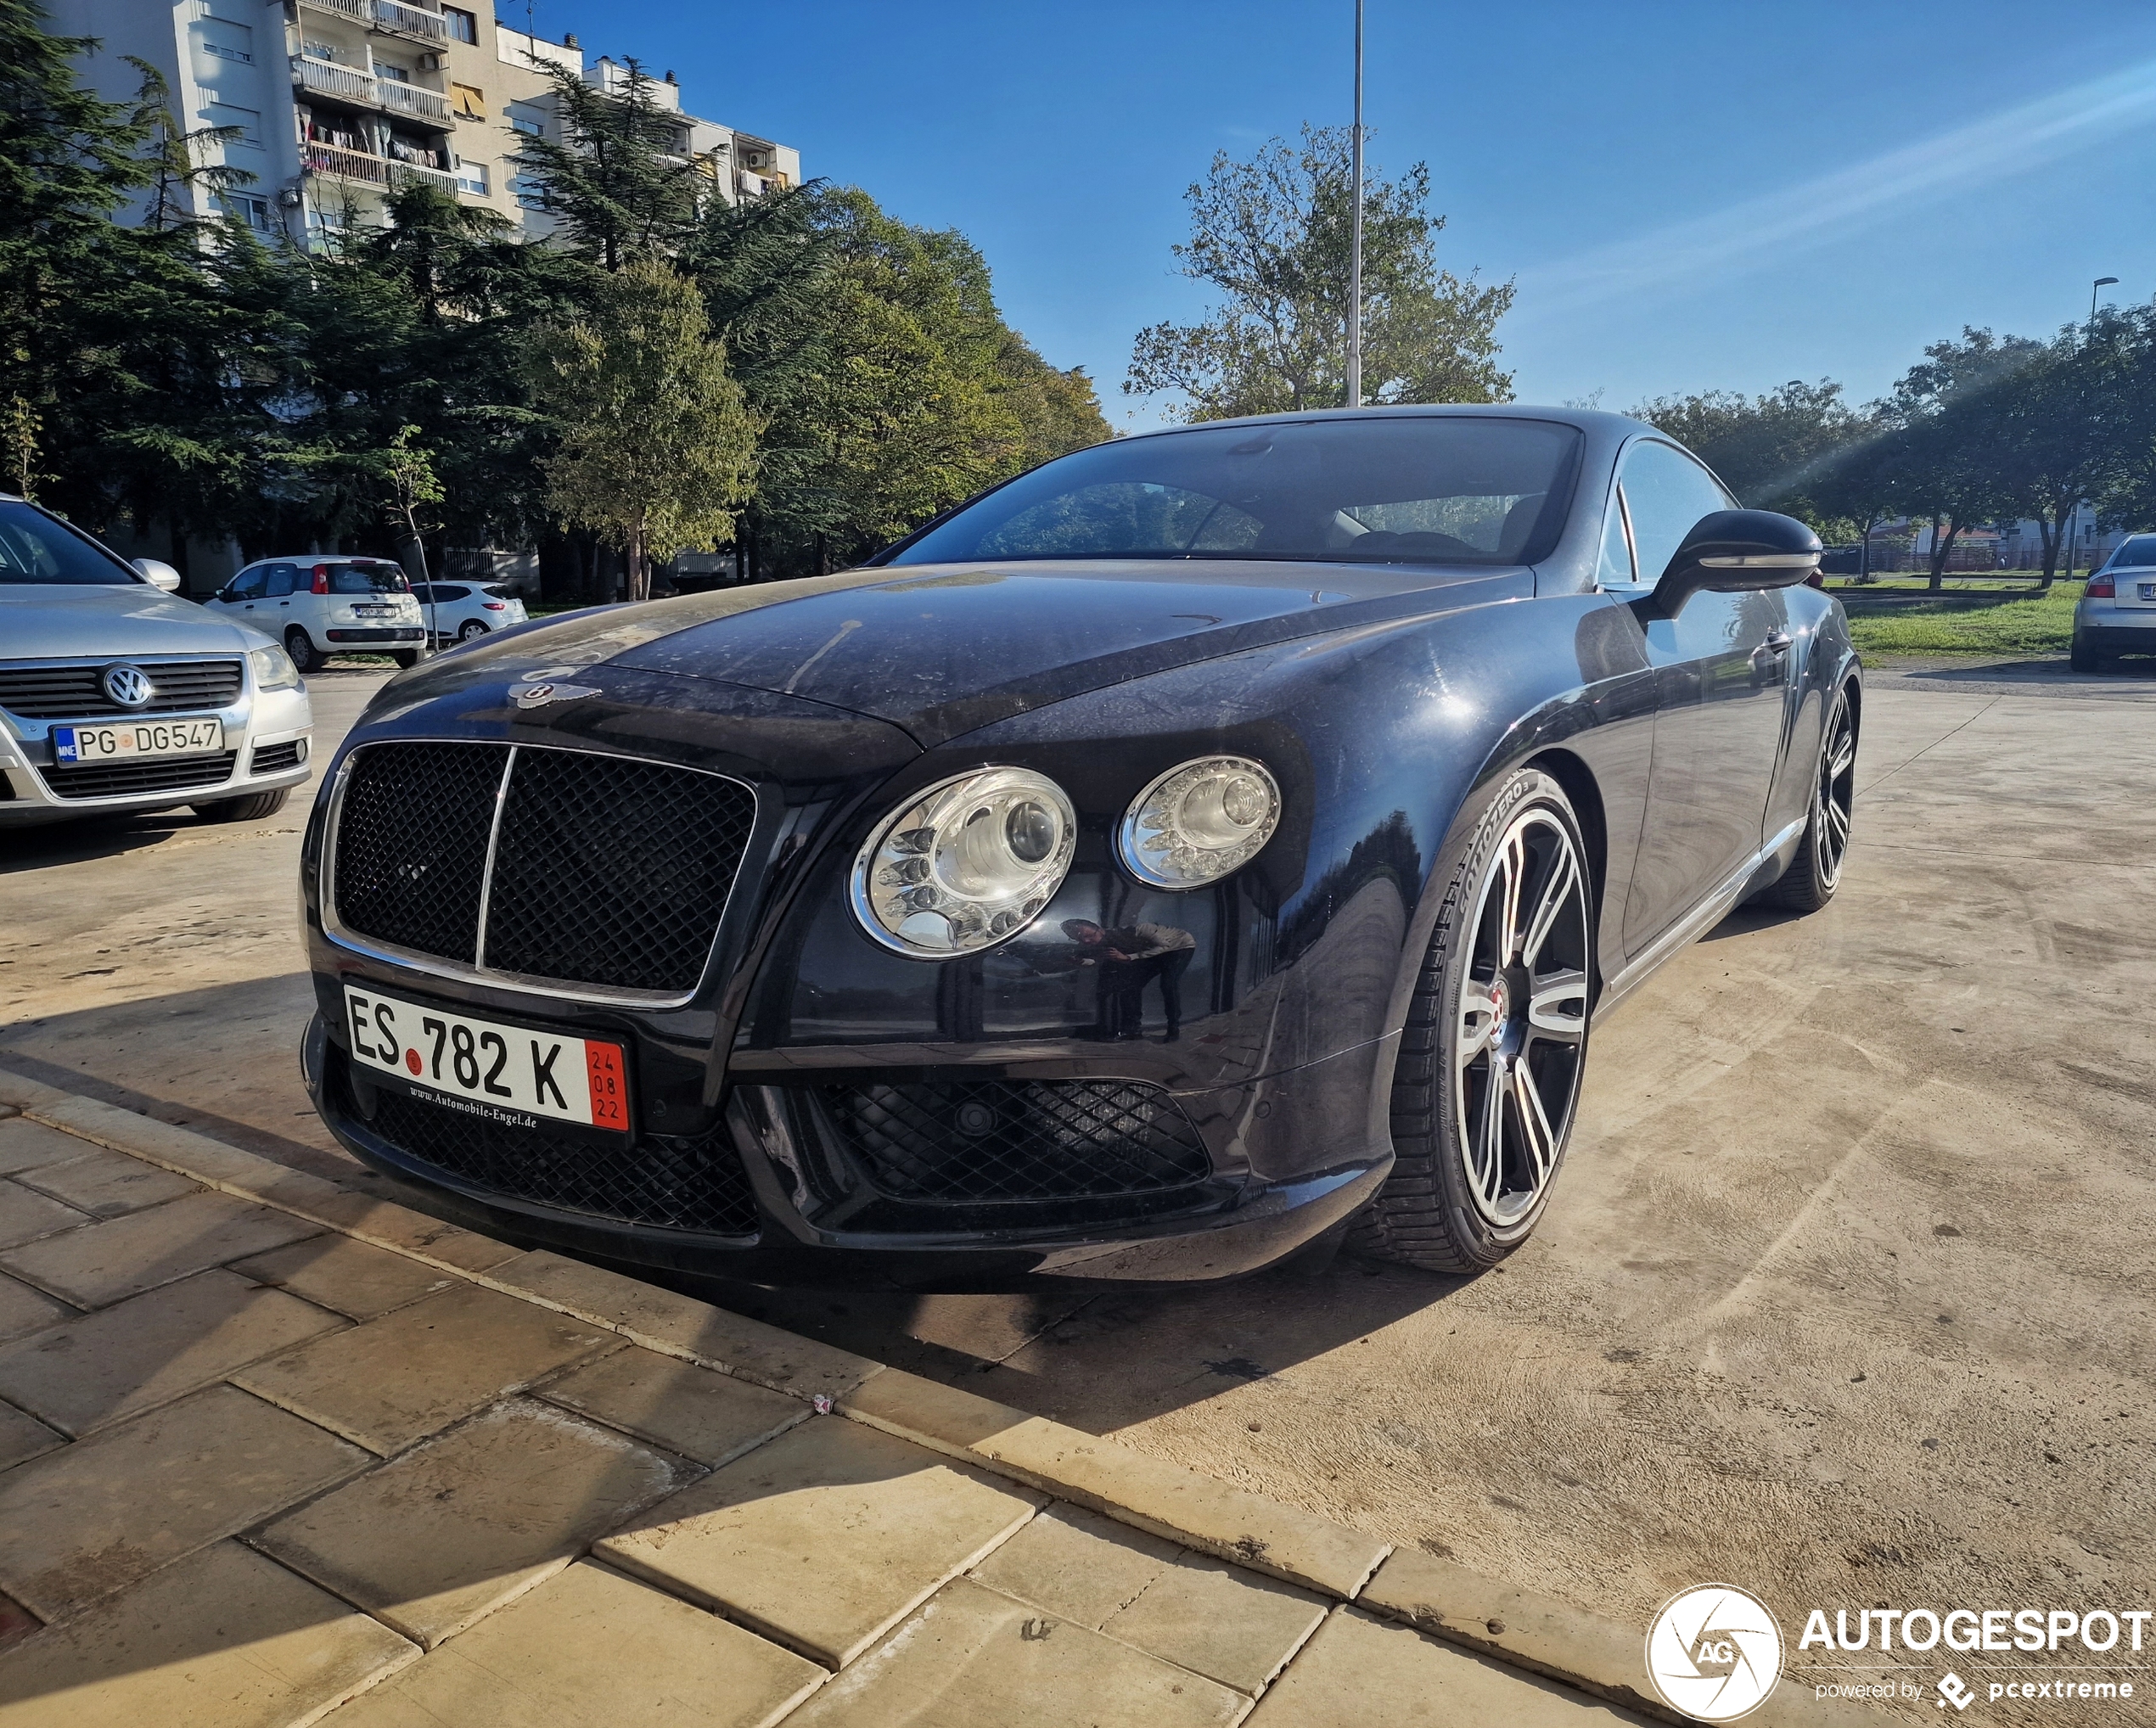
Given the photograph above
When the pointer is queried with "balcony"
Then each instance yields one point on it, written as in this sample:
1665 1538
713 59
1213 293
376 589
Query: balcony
391 16
400 20
377 171
349 84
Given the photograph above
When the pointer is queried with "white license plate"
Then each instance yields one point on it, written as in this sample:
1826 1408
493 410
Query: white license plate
132 740
2148 591
374 611
510 1073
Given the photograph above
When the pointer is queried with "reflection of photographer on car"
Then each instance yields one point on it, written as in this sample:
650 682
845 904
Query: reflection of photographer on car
1129 957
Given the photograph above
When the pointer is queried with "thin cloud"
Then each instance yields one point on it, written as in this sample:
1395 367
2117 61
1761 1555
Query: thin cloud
1767 229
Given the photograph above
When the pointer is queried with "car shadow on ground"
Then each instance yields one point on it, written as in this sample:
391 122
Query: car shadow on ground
51 845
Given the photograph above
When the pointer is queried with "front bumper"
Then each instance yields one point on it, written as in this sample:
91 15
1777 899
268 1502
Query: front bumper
1239 1222
270 735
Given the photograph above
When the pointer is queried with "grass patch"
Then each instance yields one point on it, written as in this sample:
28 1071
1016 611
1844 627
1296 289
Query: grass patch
2041 624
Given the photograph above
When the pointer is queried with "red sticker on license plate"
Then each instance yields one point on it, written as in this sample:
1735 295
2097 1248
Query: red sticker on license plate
609 1086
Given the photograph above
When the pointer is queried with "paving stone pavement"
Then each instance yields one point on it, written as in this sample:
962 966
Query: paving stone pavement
273 1454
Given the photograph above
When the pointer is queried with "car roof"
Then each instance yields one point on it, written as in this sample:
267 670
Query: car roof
1587 419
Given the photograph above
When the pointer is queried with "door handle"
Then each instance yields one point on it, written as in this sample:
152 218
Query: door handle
1777 641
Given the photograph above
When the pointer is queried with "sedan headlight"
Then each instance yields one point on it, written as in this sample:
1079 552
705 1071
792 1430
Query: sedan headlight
1200 821
273 669
970 861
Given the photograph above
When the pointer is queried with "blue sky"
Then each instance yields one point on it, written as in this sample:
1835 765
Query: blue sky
1689 196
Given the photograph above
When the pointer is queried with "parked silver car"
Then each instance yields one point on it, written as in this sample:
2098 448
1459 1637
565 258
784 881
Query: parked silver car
2116 614
116 695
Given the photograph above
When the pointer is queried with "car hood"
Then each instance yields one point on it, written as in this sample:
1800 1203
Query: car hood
939 649
50 622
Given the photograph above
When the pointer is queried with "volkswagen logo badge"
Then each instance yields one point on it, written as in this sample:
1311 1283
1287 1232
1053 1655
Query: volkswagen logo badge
129 686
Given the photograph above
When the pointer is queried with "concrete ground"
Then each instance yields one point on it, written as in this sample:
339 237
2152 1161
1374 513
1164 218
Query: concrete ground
1844 1296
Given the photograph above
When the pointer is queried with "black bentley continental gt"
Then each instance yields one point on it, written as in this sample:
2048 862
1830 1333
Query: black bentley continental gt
1209 845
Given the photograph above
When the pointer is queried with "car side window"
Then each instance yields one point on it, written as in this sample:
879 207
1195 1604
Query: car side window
283 578
1666 493
1615 569
452 592
248 585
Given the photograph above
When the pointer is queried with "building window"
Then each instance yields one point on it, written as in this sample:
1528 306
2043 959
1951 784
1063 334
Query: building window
394 73
248 212
462 25
530 191
246 121
471 177
526 119
225 42
469 100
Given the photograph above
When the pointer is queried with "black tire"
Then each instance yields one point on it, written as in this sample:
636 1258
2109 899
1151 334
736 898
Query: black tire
300 646
243 809
1816 872
1462 1126
2088 659
406 657
469 628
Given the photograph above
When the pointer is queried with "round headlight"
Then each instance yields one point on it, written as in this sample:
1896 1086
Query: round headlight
968 863
1201 822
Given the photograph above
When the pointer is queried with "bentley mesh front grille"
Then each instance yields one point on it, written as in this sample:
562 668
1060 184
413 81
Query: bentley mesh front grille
118 779
675 1181
966 1141
65 692
605 871
412 845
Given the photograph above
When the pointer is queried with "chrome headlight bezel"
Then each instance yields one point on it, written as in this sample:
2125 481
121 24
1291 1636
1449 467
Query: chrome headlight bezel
1163 846
1007 892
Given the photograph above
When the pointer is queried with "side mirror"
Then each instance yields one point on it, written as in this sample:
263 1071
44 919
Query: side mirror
161 575
1733 552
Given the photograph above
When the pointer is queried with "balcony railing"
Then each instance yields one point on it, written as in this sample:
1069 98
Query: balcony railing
410 99
368 170
391 16
410 20
328 78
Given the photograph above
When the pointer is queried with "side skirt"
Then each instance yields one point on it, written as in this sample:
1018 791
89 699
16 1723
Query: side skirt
1763 866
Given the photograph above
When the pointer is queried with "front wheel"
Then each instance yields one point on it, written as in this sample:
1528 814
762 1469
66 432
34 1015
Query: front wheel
300 646
1816 872
1488 1077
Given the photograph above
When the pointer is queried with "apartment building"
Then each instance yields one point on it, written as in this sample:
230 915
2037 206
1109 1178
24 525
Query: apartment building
334 104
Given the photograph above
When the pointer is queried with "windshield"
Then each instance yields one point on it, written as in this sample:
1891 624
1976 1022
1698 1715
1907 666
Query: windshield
35 548
2136 553
371 578
1408 489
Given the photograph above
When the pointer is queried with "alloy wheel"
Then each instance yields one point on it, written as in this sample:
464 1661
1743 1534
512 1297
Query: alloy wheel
1522 1017
1837 793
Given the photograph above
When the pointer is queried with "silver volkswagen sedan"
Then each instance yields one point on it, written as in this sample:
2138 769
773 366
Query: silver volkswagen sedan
117 696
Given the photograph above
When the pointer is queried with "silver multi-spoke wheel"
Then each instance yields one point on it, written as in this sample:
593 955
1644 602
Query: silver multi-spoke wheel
1488 1076
1837 794
1522 1018
1813 874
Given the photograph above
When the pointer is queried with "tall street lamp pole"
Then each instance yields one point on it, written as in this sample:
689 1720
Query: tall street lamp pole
1355 258
2074 522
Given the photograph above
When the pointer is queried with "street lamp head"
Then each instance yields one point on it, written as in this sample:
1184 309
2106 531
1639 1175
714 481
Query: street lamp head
2107 281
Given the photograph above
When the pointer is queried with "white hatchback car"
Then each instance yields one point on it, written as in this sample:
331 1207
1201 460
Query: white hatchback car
318 607
458 611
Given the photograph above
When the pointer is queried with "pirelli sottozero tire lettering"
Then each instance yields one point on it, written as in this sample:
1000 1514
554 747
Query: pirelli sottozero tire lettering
1488 1077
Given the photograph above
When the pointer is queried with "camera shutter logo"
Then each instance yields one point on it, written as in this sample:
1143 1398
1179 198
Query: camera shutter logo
129 686
1714 1652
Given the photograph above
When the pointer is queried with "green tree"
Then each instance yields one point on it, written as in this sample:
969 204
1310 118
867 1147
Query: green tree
1271 237
1774 449
657 445
619 182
